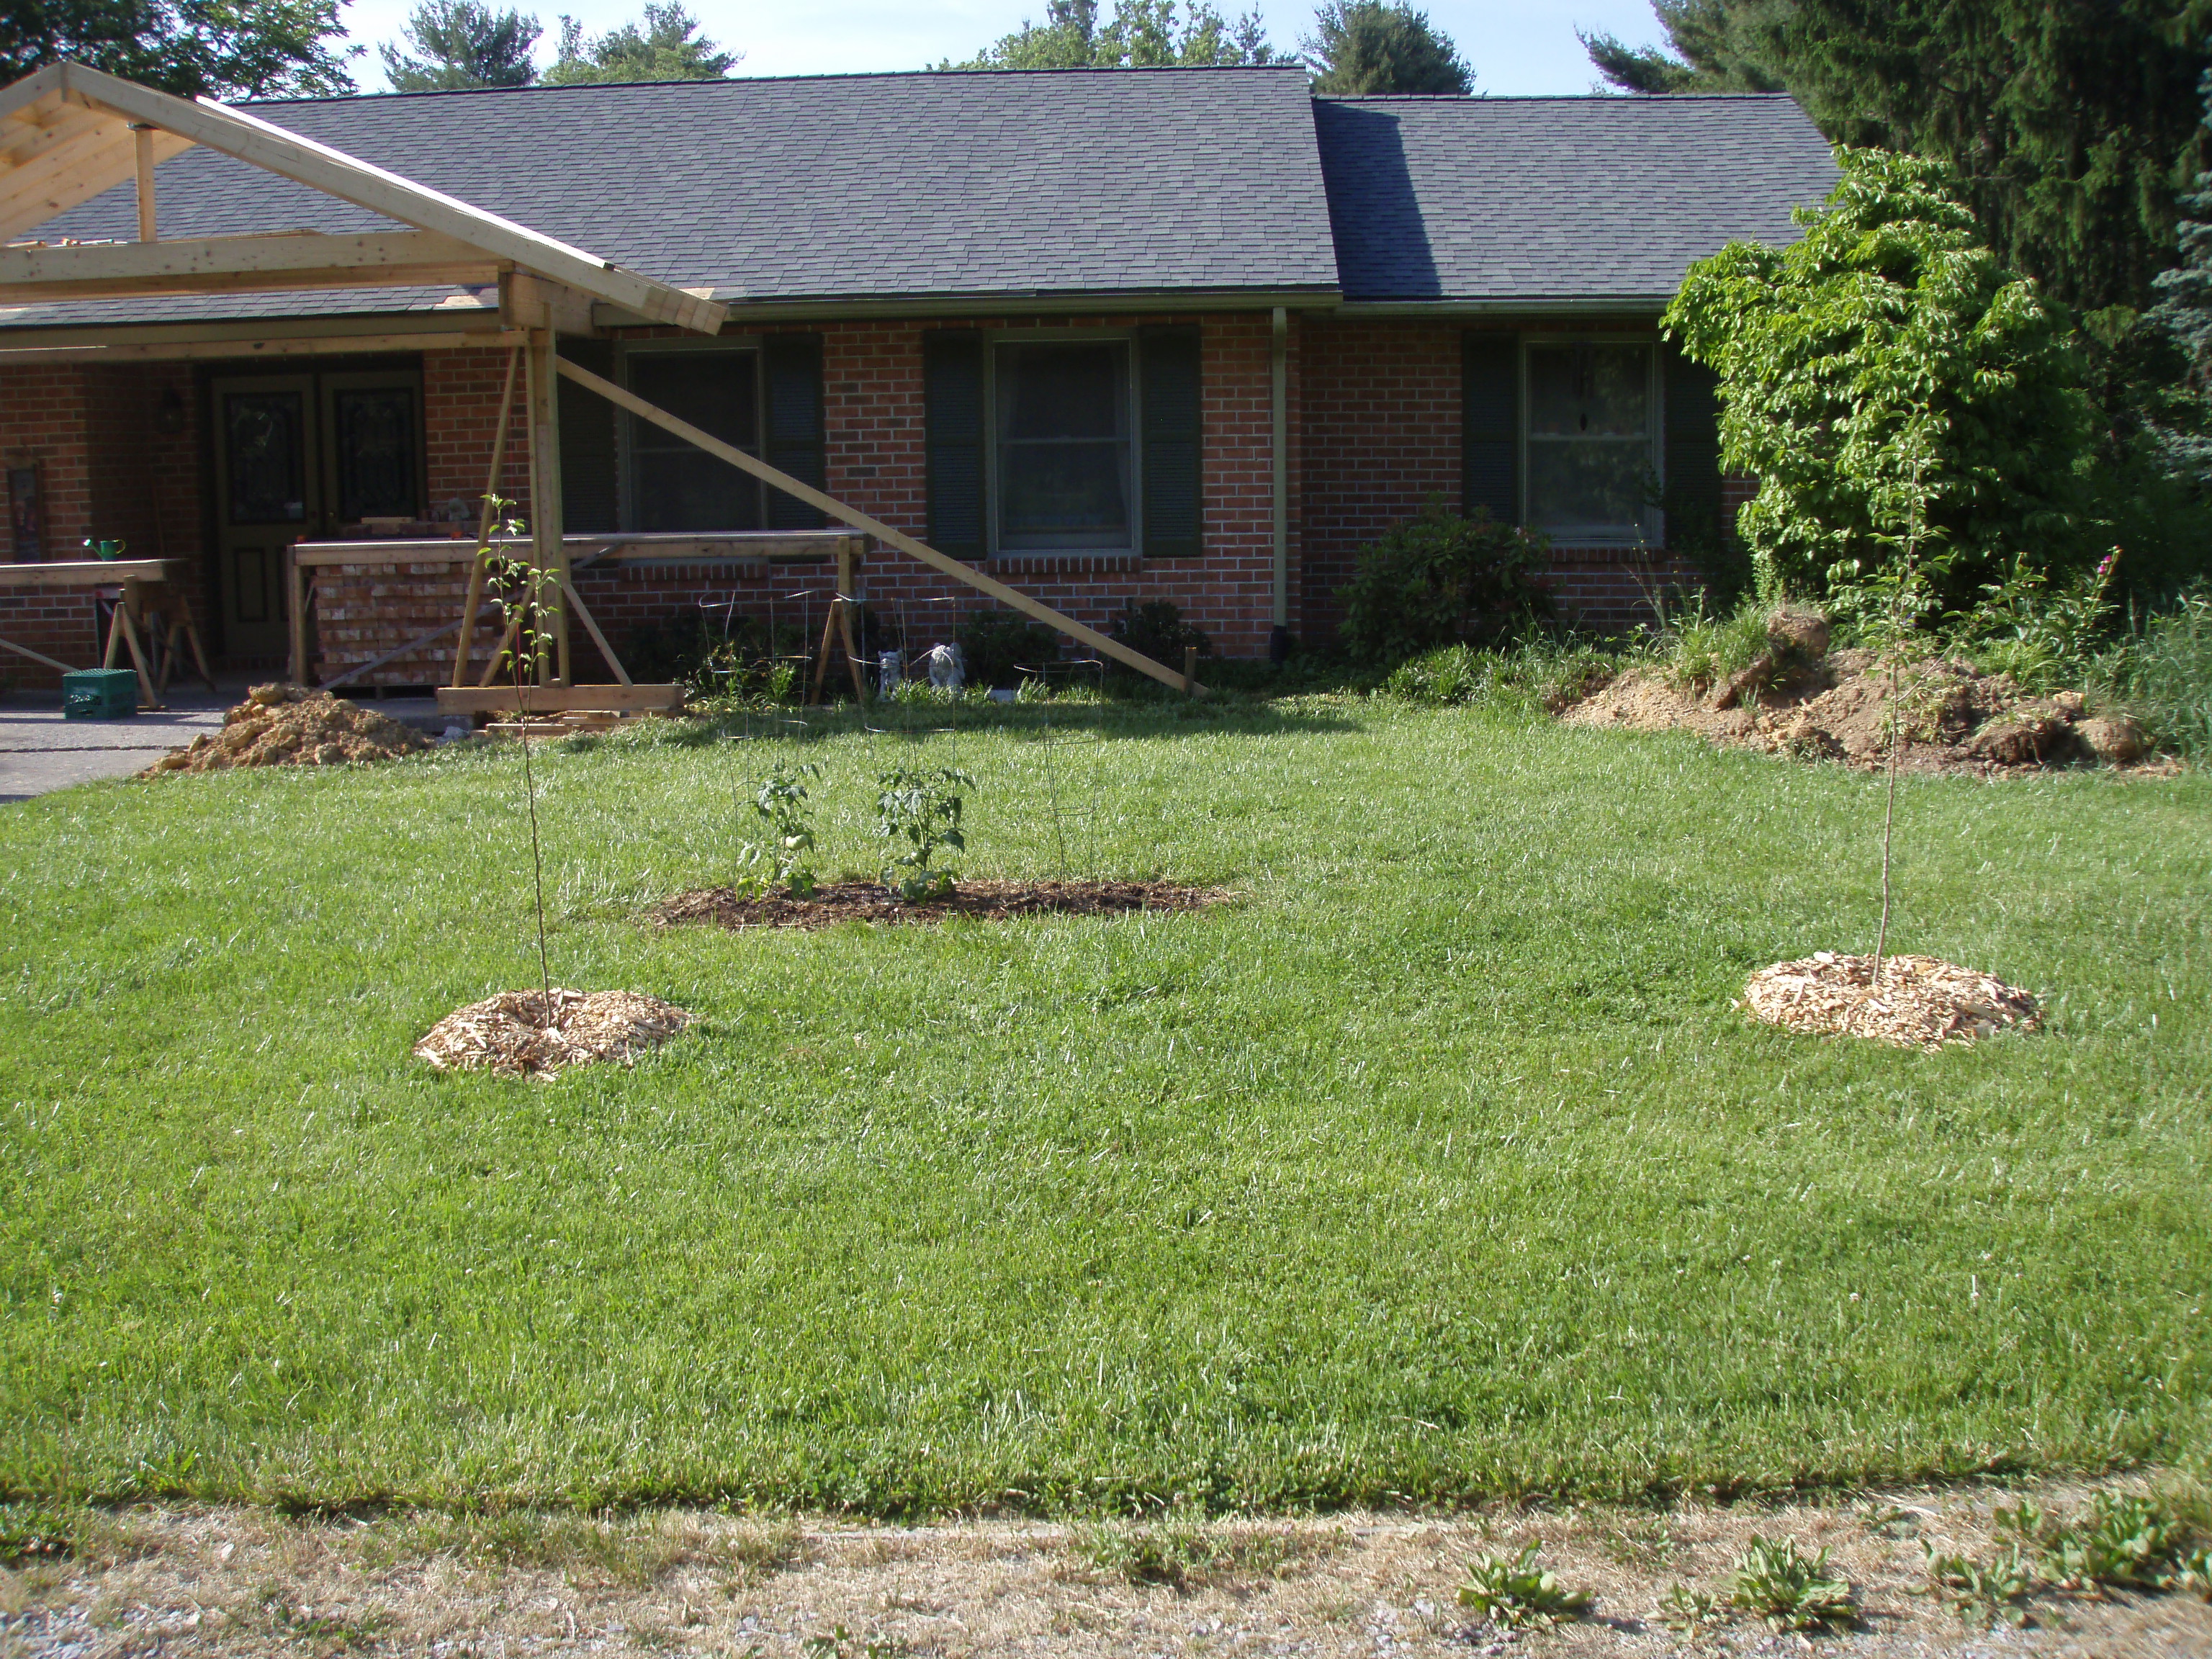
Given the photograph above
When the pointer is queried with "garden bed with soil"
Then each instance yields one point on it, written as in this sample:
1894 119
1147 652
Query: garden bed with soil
286 726
1803 700
982 900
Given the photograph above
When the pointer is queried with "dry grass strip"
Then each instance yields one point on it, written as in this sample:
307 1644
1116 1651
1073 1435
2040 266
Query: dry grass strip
1922 1002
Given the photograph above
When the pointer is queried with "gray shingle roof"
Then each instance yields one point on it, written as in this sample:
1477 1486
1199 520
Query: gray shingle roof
876 186
1557 198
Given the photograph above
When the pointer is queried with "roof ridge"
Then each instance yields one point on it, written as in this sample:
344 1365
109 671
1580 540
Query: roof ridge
1625 99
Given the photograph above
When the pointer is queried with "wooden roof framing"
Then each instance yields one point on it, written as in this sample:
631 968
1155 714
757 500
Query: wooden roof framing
68 133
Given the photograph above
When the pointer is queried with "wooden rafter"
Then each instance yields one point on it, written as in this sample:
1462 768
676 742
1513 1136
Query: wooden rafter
236 265
51 159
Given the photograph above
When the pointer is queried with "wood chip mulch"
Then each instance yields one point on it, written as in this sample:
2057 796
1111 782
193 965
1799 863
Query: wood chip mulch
985 901
509 1034
1922 1002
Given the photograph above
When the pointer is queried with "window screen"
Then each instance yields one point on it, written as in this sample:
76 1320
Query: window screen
674 486
1589 441
1063 445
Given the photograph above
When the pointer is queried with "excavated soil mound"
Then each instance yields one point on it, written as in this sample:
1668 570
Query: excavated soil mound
985 901
509 1033
1923 1002
1800 700
285 725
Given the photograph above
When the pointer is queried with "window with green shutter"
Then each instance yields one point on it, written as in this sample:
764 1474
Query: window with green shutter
953 412
1692 487
791 369
1490 425
1168 400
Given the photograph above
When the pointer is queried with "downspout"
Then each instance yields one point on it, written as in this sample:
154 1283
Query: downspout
1278 637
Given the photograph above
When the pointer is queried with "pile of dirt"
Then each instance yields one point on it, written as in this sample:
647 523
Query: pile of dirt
985 901
287 726
1799 699
1922 1002
509 1033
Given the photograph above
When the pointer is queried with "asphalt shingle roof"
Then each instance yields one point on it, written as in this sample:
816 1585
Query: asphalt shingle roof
877 186
1557 198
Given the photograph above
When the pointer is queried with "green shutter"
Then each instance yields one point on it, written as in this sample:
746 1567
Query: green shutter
952 400
590 496
792 365
1691 494
1169 398
1490 425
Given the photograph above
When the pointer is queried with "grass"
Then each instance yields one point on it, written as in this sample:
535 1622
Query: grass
1438 1167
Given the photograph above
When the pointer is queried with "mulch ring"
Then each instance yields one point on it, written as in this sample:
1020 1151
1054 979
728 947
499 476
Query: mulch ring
1923 1002
509 1034
985 901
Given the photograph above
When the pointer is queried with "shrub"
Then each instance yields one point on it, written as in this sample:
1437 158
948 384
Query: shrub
1884 355
746 664
996 645
1156 629
1441 580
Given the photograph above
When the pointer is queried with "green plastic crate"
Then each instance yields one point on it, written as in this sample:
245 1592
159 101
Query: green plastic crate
100 694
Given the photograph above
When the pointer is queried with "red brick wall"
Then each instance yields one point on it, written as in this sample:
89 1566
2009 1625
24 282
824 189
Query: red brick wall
460 418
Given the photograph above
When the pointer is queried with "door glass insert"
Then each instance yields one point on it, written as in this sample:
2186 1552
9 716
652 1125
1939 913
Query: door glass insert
1063 438
374 462
673 485
263 432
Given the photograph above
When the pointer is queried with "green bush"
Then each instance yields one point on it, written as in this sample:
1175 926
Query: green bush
1156 629
2163 676
1441 580
1887 366
746 664
1539 675
996 645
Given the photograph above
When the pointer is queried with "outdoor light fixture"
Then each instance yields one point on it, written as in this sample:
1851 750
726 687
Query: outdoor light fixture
169 412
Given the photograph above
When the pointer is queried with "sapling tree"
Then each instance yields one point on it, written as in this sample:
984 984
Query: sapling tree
526 597
920 808
785 816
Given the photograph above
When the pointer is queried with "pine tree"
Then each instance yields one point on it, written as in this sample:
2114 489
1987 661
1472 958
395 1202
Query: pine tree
462 43
2183 315
1368 47
2071 124
666 45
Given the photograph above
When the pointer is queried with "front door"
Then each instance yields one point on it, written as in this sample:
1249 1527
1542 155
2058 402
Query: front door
298 458
267 497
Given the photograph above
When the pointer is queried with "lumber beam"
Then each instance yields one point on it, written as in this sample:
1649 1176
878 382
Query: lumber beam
548 550
142 139
264 144
240 264
190 350
1013 598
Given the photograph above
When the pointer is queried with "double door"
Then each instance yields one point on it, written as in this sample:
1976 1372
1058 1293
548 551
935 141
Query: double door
297 457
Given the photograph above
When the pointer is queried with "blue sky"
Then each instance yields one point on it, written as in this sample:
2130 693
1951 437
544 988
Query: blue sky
1529 47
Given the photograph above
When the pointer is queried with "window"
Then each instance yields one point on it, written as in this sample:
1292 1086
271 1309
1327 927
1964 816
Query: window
672 485
1063 446
1591 445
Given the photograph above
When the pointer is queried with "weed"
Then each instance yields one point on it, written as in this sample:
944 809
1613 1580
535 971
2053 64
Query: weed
1515 1592
921 807
1182 1551
2163 676
838 1642
1982 1593
786 818
1790 1589
1698 649
35 1532
2121 1540
1690 1613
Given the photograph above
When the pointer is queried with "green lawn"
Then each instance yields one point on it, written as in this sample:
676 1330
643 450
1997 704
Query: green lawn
1439 1165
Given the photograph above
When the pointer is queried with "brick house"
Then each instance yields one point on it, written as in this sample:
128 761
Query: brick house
1112 336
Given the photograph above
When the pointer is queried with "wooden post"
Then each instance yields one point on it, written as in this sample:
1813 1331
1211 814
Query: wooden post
144 136
549 553
125 627
1189 670
296 600
484 519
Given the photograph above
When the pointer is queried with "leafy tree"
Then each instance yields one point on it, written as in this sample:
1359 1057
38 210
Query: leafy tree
462 43
2072 124
1142 34
1366 46
665 46
1889 358
193 48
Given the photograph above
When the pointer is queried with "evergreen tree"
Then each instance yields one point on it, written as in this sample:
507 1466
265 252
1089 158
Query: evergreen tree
665 46
2072 123
462 43
1366 46
193 48
2183 315
1142 34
